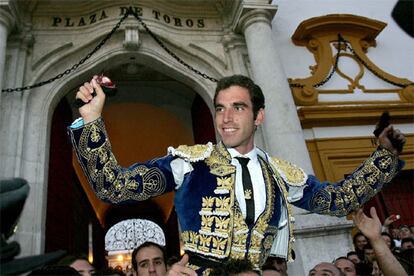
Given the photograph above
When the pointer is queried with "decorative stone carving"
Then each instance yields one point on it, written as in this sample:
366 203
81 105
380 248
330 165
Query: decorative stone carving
321 37
132 40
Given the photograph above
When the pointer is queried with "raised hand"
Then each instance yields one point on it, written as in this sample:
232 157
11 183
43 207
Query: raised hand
389 220
92 109
180 268
392 139
369 226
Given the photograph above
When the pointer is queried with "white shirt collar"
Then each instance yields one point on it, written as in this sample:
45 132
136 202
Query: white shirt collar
251 154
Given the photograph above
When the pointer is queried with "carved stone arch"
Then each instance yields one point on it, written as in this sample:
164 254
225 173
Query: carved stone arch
150 54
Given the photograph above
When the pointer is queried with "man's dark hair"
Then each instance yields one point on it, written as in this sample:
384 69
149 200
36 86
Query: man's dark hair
70 259
256 94
172 260
342 258
109 271
407 240
404 226
233 267
144 245
351 253
356 236
269 262
55 270
368 246
363 269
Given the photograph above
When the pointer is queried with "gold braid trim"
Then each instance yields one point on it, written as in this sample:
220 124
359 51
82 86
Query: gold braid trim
192 153
359 187
215 235
110 181
290 173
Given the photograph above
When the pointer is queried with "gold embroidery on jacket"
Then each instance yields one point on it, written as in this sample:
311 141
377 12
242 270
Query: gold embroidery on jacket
256 253
358 188
111 181
192 153
280 182
215 235
292 174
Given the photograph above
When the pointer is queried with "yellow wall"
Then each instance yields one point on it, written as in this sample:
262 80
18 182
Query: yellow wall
335 157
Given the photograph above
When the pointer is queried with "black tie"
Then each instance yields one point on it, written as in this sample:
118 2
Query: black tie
248 189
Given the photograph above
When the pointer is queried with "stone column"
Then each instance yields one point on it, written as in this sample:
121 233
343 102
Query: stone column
6 23
283 132
284 138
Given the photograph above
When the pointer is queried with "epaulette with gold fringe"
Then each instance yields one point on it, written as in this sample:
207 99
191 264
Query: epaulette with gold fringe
292 174
192 153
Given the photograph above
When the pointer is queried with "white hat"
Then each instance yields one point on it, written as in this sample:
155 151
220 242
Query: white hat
130 234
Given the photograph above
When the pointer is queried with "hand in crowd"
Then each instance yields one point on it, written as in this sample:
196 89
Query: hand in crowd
181 269
369 226
389 220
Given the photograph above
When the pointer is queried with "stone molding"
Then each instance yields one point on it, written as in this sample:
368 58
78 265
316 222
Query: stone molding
6 19
251 14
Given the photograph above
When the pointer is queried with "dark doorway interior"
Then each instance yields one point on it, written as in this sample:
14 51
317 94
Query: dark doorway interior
68 211
396 198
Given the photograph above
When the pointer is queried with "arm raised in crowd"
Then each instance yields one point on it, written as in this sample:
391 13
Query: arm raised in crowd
371 228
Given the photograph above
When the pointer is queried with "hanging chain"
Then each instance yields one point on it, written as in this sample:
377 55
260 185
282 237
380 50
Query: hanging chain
99 46
179 60
340 39
171 53
75 66
335 64
372 70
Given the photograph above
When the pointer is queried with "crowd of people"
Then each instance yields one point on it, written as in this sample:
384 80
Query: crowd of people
379 249
376 253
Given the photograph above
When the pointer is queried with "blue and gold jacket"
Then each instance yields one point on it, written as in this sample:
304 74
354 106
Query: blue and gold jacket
211 221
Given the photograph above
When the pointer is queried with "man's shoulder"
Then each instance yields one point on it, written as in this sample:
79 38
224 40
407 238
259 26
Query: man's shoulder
192 153
292 174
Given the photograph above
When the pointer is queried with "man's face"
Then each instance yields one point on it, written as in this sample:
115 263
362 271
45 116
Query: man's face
83 267
150 261
235 120
360 242
325 269
369 254
280 264
271 272
395 233
405 232
376 271
346 266
354 258
407 245
387 240
246 273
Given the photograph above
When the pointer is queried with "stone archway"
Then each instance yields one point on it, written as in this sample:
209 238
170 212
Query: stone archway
40 105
